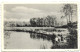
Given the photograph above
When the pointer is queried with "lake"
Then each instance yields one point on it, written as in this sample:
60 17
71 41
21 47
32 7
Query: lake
27 40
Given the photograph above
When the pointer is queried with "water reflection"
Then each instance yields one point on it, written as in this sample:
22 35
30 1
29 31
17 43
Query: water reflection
51 38
43 36
28 39
24 40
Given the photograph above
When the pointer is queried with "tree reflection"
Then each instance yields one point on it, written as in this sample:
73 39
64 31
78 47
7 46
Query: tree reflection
42 36
50 38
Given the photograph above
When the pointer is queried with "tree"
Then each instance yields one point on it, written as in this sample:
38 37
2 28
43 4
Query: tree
68 11
51 20
41 21
37 22
33 22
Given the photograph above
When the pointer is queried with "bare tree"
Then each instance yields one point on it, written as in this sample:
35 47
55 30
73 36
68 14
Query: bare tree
68 11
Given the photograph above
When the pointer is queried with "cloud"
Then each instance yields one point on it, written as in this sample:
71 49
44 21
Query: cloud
22 9
21 13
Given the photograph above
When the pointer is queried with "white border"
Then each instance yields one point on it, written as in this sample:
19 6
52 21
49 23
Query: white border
38 49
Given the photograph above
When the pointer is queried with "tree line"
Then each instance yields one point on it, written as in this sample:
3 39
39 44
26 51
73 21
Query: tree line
48 21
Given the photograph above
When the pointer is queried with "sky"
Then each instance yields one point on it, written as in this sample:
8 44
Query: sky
24 12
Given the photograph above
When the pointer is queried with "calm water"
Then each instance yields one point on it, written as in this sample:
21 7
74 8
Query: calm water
26 40
23 40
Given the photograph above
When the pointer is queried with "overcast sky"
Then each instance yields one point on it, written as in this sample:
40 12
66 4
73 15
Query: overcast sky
23 12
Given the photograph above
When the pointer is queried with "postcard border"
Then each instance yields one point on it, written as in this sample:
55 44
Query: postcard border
2 36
